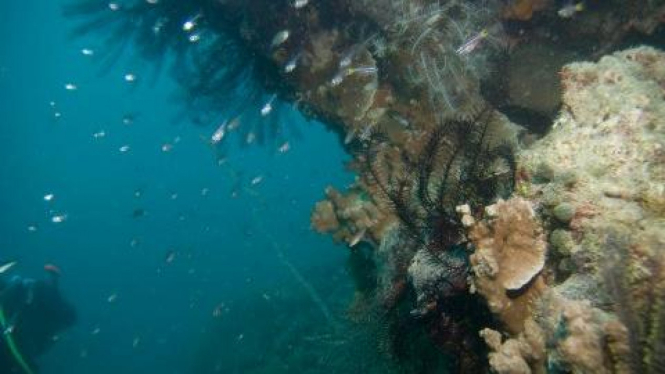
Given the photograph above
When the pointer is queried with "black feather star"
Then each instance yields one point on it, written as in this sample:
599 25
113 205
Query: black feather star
456 166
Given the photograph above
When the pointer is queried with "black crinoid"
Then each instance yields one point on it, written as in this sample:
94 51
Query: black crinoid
205 46
461 162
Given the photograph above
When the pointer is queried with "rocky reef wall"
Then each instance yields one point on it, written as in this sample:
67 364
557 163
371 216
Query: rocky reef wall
511 200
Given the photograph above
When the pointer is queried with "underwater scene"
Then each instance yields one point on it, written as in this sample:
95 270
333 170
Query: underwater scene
332 186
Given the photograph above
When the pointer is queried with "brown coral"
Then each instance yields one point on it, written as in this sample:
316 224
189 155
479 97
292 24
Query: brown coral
520 355
523 9
508 257
350 217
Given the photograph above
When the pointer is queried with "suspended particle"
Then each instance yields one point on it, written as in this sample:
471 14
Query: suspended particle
71 87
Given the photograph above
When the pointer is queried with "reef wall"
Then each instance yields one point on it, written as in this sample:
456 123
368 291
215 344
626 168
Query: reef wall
511 201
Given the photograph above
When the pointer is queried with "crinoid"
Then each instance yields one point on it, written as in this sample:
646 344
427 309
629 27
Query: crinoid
221 76
460 162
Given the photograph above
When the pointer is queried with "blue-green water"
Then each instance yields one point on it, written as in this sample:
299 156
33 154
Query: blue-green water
149 289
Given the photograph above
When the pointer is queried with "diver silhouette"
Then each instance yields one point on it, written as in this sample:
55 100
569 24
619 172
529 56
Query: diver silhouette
32 313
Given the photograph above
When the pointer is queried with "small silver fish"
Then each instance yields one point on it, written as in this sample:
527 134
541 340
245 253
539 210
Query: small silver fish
218 135
233 124
284 147
191 23
267 108
99 134
366 133
357 237
4 268
348 56
250 138
300 3
473 43
363 70
339 77
280 38
292 63
59 218
256 180
349 136
570 10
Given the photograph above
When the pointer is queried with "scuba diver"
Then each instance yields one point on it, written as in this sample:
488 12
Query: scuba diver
32 313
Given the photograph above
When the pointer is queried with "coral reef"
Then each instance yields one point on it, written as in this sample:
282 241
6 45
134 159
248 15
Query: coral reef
597 180
560 278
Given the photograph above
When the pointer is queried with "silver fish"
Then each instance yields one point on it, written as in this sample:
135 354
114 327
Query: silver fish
280 38
4 268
